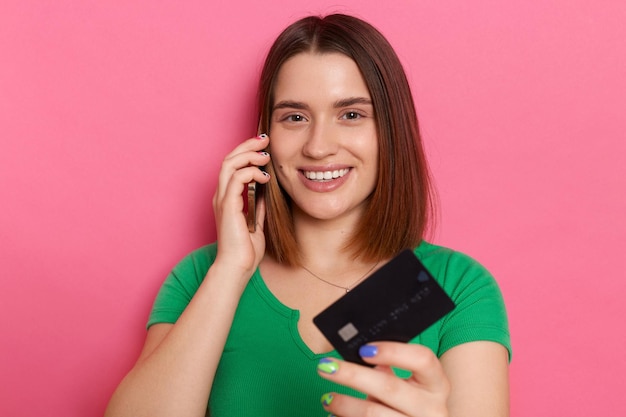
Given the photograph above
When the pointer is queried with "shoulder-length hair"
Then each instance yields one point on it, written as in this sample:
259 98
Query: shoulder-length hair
400 207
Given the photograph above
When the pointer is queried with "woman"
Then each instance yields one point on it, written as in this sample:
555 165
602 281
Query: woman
346 189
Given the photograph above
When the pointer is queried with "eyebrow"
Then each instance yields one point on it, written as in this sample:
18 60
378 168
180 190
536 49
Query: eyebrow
351 101
345 102
288 104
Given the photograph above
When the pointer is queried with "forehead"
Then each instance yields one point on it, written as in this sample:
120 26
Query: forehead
312 76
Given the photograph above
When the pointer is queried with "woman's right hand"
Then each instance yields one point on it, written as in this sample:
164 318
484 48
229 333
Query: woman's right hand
238 247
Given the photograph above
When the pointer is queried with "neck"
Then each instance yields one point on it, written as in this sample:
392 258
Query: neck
322 243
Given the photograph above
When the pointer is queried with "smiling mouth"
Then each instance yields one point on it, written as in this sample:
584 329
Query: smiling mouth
324 176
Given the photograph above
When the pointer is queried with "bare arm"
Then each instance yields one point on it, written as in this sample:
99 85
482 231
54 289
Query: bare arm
174 373
479 376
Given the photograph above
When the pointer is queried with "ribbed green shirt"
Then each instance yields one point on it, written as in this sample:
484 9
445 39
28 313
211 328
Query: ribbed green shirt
267 370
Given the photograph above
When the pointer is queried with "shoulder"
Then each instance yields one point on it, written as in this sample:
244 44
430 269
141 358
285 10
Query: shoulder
181 284
449 266
480 313
190 271
203 253
197 262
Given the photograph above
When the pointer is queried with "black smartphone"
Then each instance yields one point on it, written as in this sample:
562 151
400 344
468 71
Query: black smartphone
395 303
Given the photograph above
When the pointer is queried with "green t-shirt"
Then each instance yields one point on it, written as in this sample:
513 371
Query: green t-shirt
267 370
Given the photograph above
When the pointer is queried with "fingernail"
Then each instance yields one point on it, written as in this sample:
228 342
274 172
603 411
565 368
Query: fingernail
328 366
327 399
265 173
264 153
262 136
368 351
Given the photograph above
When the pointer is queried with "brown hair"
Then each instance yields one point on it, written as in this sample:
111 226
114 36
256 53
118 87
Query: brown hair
401 204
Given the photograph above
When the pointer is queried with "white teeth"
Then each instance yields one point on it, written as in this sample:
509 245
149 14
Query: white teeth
325 175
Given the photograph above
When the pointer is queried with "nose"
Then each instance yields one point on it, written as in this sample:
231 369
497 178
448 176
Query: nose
322 141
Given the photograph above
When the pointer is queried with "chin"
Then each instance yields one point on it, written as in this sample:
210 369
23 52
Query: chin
324 214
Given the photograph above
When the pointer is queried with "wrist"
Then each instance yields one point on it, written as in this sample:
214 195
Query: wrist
228 277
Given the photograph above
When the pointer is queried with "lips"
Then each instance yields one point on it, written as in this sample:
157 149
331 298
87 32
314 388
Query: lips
325 175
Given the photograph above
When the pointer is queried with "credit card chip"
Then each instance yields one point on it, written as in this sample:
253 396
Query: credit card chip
347 332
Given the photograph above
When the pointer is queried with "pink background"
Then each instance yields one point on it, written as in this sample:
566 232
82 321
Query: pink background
114 120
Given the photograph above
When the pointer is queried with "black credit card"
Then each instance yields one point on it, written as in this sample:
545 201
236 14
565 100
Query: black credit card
396 303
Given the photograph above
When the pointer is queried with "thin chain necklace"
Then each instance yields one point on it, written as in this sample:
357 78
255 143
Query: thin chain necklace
349 287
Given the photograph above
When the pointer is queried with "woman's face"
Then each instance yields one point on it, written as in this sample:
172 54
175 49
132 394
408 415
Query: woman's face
323 138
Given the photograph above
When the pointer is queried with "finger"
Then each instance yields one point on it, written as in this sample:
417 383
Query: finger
347 406
424 365
237 170
250 152
231 199
382 386
385 369
405 396
248 147
254 144
231 166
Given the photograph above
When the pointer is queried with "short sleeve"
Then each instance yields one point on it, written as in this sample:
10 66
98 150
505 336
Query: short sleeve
480 313
181 285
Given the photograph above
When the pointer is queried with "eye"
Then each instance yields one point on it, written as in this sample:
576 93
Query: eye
351 115
293 118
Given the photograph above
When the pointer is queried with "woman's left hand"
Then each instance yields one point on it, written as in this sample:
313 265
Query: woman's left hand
424 394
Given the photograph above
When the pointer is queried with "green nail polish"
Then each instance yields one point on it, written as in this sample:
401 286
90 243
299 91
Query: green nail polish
328 366
327 399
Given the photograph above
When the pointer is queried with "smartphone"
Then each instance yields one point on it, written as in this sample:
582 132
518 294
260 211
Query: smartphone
395 303
251 206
